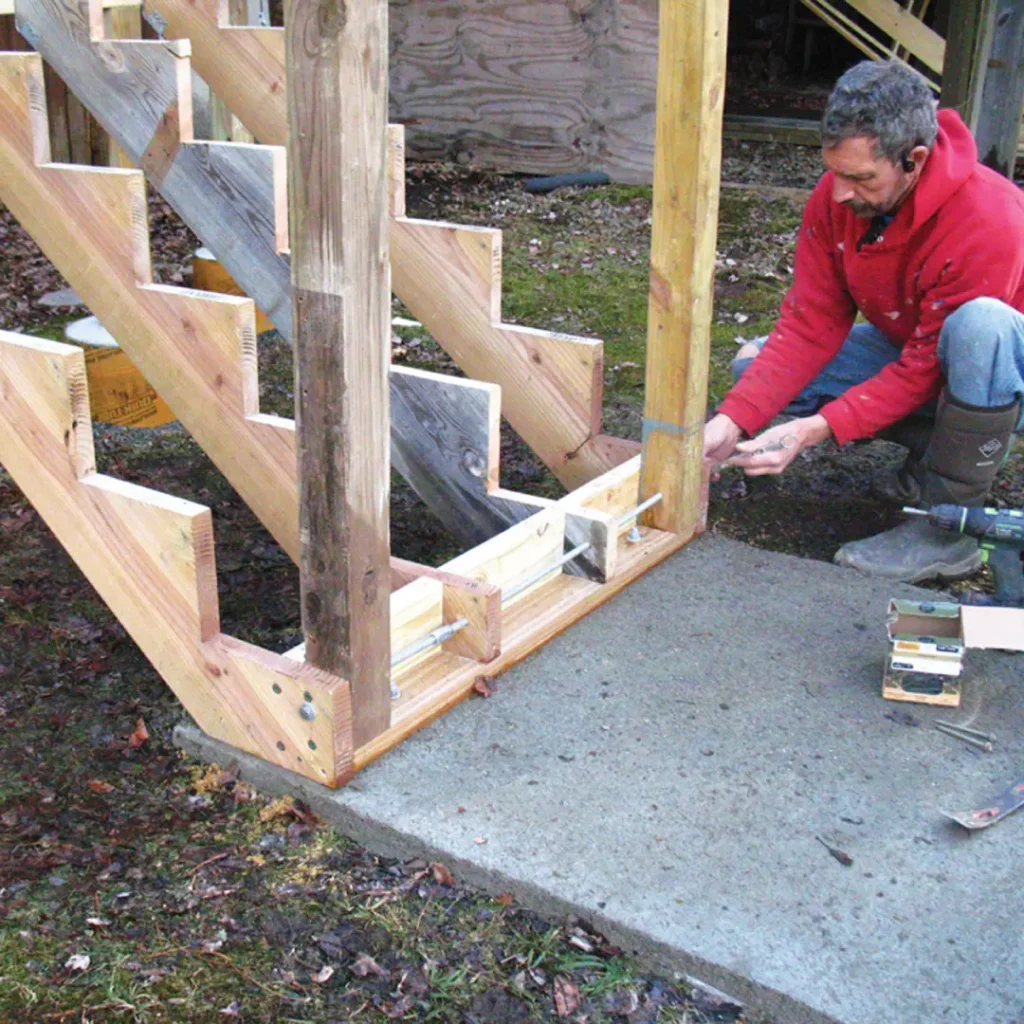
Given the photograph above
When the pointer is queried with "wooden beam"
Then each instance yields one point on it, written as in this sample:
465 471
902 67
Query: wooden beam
968 38
687 162
337 61
150 557
233 196
1002 97
449 276
910 32
444 434
441 680
461 597
800 131
121 23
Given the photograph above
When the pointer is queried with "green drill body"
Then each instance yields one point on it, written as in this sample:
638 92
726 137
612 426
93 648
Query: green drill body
1000 535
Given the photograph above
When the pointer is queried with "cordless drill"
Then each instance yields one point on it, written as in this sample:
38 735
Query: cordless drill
1000 534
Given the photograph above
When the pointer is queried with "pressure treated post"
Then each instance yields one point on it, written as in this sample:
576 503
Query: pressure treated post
687 163
1002 96
121 23
963 68
336 59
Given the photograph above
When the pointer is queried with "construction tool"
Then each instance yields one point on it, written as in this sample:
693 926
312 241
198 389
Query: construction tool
1003 805
1000 535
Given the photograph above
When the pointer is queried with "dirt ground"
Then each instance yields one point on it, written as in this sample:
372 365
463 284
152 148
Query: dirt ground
138 886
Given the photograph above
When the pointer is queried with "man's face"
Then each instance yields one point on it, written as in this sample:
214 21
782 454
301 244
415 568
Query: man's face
866 184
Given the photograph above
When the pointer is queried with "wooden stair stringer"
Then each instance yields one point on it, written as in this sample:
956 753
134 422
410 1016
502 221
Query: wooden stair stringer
150 557
232 195
448 276
198 349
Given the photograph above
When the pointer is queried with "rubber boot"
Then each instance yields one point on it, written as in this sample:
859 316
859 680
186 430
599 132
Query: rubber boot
961 461
901 484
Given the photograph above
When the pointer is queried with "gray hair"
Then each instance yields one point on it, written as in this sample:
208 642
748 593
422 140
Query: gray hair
885 101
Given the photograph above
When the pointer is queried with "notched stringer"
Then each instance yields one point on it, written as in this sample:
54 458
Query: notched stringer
449 276
151 558
474 616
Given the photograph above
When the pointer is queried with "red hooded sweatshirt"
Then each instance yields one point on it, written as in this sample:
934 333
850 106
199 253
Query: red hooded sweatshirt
958 236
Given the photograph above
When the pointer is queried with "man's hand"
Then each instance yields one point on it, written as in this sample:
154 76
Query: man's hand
784 444
720 437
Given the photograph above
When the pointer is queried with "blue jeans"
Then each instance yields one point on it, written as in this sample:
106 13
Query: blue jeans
981 352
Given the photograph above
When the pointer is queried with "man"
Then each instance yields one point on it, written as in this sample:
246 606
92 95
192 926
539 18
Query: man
908 229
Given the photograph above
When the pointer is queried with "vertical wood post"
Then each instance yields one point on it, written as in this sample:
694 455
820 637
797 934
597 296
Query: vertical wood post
963 68
687 165
224 126
1002 97
121 23
336 59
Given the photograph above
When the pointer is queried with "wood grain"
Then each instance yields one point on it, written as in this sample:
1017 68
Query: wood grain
448 276
151 559
336 58
691 87
442 680
444 431
233 196
462 597
1002 96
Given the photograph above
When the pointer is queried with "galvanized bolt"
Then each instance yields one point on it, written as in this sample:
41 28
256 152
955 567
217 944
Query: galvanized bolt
307 711
634 537
395 691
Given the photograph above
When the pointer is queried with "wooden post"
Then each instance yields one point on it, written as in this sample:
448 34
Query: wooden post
967 43
687 162
1002 97
224 126
337 65
121 23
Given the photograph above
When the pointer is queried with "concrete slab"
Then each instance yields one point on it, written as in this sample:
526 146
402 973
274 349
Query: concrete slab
664 768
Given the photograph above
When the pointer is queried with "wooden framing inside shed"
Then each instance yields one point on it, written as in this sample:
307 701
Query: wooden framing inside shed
373 624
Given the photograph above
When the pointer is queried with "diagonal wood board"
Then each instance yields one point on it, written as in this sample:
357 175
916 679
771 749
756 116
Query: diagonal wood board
448 276
199 350
151 558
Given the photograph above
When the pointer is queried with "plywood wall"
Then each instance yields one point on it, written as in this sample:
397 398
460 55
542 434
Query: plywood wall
529 86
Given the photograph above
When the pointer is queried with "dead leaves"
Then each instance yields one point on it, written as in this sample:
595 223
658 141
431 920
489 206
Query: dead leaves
77 962
139 735
442 875
365 965
566 996
100 786
484 686
288 807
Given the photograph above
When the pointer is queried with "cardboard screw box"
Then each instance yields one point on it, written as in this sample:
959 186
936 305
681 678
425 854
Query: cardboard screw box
927 643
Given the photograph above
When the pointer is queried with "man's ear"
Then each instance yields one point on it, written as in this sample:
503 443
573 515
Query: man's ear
918 155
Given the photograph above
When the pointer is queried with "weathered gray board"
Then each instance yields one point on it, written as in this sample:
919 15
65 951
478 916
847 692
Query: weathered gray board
531 86
228 193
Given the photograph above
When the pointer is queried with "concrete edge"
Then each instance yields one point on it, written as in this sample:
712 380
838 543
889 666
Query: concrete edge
763 1005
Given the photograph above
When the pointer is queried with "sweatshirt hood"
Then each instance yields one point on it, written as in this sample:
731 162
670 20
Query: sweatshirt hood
950 163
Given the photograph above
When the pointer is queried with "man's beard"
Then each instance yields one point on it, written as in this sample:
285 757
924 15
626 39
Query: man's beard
861 209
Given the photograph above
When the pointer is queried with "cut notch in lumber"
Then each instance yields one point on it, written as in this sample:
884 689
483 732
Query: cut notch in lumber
150 557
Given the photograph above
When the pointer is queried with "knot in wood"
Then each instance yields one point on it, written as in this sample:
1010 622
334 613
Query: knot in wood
331 16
